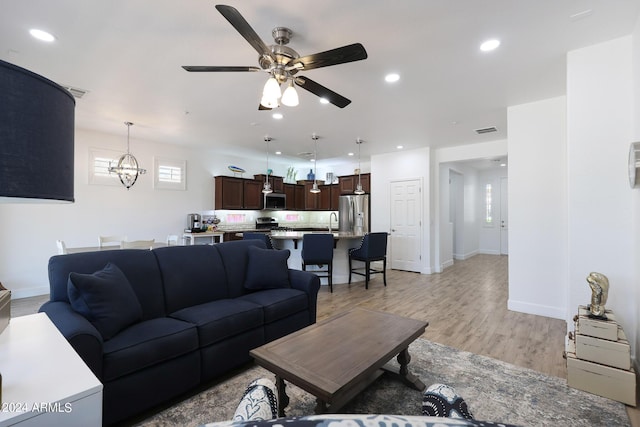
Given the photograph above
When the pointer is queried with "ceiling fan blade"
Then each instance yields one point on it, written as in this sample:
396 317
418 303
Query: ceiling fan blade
340 55
242 26
322 92
205 68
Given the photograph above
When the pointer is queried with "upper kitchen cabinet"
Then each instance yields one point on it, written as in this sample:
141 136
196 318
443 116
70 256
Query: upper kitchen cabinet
348 183
253 198
277 182
237 193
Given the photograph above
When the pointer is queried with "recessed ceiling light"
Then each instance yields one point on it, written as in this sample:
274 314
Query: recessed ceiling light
42 35
324 101
349 154
489 45
392 77
277 116
400 147
278 152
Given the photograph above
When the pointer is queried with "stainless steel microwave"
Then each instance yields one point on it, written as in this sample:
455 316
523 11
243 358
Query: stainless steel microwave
275 201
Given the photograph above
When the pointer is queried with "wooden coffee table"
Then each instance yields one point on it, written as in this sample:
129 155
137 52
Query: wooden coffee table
337 358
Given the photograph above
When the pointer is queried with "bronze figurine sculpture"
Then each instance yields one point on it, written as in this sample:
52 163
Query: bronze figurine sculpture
599 285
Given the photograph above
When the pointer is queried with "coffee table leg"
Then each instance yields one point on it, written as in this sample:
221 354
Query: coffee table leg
321 407
407 377
283 399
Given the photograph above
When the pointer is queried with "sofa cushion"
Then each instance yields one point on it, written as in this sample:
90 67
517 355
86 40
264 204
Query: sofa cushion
267 269
105 298
221 319
140 267
278 303
146 344
191 275
235 257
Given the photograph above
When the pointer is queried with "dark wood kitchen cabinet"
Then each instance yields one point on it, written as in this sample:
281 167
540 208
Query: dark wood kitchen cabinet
348 183
237 193
329 197
290 196
311 200
229 192
277 182
299 199
253 198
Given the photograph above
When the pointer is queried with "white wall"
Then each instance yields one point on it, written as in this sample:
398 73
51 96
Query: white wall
537 208
601 221
465 205
635 68
409 164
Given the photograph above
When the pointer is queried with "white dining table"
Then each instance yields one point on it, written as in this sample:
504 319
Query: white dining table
107 248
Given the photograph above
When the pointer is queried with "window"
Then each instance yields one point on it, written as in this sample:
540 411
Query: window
488 211
170 174
99 160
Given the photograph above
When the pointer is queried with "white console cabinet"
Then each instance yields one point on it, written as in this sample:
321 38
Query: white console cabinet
44 381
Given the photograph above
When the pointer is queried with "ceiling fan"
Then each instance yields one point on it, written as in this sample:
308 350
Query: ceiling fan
283 63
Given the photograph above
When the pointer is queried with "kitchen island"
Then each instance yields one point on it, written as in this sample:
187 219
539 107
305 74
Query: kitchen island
343 241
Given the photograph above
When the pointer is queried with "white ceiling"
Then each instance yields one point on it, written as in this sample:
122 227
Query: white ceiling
128 55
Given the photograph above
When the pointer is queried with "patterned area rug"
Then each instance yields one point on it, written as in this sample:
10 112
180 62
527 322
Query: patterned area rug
494 390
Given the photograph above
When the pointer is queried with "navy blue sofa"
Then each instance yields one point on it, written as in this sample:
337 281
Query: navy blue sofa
197 318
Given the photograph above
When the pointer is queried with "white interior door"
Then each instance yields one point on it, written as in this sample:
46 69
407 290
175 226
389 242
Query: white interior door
504 217
406 225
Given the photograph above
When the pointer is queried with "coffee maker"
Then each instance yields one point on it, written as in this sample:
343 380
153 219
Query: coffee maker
194 222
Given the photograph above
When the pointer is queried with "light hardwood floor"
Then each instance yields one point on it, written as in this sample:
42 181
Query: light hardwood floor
466 307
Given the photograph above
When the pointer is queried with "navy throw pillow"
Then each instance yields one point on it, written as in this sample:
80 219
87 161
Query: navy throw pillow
105 298
267 269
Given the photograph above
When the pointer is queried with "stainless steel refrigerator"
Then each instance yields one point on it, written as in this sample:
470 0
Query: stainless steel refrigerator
353 213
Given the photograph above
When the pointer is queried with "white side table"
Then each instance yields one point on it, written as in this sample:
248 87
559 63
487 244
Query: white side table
44 381
212 235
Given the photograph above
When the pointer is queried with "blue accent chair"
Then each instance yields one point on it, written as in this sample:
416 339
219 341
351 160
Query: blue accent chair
372 248
318 249
265 237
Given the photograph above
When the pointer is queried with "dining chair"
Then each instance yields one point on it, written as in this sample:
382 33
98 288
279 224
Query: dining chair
62 248
266 238
138 244
172 240
111 240
372 248
317 249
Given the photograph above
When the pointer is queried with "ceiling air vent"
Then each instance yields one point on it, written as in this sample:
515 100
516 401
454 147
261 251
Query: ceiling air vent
76 92
486 130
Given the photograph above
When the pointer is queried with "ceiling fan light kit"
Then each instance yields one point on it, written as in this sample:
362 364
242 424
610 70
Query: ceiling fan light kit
283 63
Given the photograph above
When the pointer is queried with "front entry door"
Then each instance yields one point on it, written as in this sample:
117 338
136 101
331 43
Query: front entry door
406 226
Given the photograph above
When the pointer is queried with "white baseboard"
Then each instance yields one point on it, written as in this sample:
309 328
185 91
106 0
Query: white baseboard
462 257
29 292
489 252
540 310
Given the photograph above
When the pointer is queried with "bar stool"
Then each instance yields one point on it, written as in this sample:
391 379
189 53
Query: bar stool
318 249
259 236
372 248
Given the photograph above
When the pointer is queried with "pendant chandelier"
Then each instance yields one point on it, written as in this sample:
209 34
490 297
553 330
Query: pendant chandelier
127 166
314 187
359 189
266 189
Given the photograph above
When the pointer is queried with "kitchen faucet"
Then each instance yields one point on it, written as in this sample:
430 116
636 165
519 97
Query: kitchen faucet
336 217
